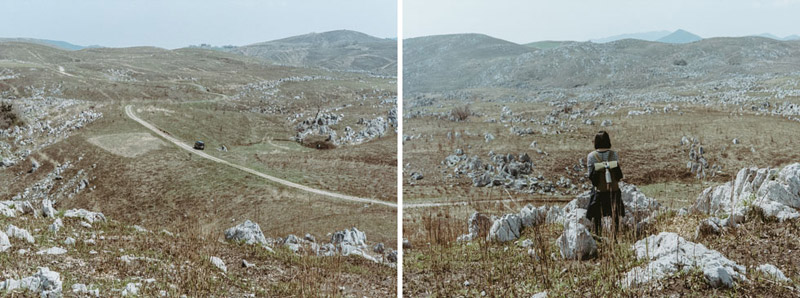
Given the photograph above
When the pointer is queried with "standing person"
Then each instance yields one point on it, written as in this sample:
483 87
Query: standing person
605 173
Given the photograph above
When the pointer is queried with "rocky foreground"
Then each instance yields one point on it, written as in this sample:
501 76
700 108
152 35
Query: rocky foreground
50 253
771 195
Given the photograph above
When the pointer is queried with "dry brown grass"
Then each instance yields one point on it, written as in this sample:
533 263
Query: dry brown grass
180 264
437 266
651 158
648 146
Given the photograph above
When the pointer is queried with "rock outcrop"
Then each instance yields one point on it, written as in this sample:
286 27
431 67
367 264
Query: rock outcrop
217 262
86 215
5 244
773 272
576 243
669 253
45 283
506 228
775 194
247 232
639 211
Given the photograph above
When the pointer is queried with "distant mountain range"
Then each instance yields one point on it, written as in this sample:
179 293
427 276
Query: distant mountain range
342 50
678 36
648 36
790 37
51 43
447 63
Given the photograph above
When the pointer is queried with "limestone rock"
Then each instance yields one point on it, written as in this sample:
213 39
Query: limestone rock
52 251
131 289
247 232
540 295
775 194
86 215
4 243
532 216
576 243
506 228
352 237
19 233
669 253
219 264
392 256
56 225
709 226
555 215
378 248
47 208
45 282
479 225
83 290
773 272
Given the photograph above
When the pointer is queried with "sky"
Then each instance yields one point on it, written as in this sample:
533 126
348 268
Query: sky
524 21
179 23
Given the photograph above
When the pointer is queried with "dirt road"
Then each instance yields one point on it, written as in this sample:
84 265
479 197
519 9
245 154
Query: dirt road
187 147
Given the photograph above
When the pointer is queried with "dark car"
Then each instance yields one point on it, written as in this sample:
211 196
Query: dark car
199 145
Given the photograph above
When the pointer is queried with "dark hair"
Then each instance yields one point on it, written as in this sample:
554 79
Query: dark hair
602 140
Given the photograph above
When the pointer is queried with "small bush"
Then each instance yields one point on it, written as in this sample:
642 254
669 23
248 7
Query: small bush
9 116
460 113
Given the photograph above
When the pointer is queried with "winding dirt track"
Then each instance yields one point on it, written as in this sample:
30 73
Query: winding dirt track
130 114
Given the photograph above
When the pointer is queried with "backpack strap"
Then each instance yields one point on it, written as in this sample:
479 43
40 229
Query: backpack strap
597 156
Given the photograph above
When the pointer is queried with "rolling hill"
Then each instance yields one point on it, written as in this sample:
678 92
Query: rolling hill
648 36
470 61
335 50
52 43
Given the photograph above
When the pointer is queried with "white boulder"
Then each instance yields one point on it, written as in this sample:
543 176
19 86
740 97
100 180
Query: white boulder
506 228
669 253
19 233
479 225
45 282
219 264
47 208
775 194
86 215
52 251
131 289
532 216
576 243
773 272
4 243
352 237
247 232
82 290
56 225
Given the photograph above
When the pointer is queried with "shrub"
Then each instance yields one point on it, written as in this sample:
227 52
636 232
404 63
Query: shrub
9 116
460 113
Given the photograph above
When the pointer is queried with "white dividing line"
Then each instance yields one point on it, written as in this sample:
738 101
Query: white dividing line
129 112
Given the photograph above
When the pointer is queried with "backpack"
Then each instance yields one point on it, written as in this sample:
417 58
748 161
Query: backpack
606 174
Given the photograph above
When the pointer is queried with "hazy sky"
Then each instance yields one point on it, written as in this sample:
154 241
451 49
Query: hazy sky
178 23
525 21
